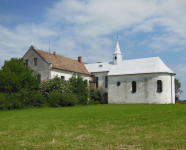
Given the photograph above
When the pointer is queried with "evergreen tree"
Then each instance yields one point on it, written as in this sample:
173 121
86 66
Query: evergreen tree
80 88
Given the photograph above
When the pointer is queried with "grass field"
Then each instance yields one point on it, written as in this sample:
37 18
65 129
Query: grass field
95 127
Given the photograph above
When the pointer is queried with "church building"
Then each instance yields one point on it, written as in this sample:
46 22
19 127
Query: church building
136 81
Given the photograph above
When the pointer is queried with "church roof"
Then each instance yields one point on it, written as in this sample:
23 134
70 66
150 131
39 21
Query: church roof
134 66
117 49
64 63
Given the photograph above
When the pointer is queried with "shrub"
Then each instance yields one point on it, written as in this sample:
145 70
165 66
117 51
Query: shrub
56 99
68 99
54 85
95 96
80 88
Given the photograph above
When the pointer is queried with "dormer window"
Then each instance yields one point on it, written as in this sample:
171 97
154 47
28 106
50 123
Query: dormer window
100 66
115 57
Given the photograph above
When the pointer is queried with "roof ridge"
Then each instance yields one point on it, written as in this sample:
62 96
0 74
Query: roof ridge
59 55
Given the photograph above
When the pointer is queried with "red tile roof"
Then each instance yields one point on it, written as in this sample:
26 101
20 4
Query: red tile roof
64 63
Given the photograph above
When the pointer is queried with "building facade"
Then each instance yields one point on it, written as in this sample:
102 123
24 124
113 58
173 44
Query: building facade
145 80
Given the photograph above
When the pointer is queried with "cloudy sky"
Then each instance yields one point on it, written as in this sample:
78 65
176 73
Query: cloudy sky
88 28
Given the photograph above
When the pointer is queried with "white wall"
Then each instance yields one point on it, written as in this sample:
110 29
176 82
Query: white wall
67 74
145 90
101 82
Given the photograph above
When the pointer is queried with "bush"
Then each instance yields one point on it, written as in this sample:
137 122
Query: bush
56 99
69 99
80 88
95 96
54 85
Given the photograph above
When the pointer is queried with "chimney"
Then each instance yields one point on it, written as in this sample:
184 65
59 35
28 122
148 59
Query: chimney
54 53
79 59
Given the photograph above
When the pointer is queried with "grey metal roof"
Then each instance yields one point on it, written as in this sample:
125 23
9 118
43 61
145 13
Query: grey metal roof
135 66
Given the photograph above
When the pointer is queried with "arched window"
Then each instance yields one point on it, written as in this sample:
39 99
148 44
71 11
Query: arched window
115 57
118 83
159 86
133 86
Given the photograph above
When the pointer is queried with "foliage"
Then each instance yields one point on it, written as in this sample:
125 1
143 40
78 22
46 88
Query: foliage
14 77
178 91
80 88
54 85
18 85
56 99
95 96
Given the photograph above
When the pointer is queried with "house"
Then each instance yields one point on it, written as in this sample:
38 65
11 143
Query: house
146 80
49 65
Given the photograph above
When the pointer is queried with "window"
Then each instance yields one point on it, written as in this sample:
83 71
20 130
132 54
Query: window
115 57
96 82
100 66
35 61
118 83
133 86
106 81
26 62
63 78
159 86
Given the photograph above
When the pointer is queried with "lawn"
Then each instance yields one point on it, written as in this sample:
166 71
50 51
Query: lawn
95 127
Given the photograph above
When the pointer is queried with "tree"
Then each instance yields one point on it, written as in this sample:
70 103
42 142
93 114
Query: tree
19 84
80 88
178 91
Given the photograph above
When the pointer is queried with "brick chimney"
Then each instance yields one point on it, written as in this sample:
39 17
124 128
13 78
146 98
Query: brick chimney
54 53
80 59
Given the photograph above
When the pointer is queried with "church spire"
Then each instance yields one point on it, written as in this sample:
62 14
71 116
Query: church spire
117 56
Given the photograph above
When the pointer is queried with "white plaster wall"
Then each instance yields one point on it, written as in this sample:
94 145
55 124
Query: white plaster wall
101 82
118 60
67 74
145 90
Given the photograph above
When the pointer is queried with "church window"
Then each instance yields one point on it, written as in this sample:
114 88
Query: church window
118 83
159 86
115 57
133 86
100 65
35 61
96 82
106 81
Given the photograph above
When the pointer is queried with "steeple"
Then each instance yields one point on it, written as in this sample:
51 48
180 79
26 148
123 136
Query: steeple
117 56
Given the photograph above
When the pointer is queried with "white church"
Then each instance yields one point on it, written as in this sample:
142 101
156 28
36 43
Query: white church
137 81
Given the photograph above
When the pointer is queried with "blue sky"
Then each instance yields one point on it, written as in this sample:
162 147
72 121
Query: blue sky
88 28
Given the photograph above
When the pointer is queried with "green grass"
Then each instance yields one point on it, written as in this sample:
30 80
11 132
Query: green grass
95 127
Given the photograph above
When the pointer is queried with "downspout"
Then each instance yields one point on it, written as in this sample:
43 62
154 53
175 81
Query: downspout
171 89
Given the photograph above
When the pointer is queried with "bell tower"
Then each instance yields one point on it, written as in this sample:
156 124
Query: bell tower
117 56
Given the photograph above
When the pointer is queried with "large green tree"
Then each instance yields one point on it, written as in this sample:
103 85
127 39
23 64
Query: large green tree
18 85
178 90
15 77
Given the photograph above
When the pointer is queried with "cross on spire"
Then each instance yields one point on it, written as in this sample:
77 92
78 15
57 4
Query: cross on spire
117 37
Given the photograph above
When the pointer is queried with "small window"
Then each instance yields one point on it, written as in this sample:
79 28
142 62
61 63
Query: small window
115 57
118 83
63 78
26 62
96 82
35 61
106 81
133 86
159 86
100 66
